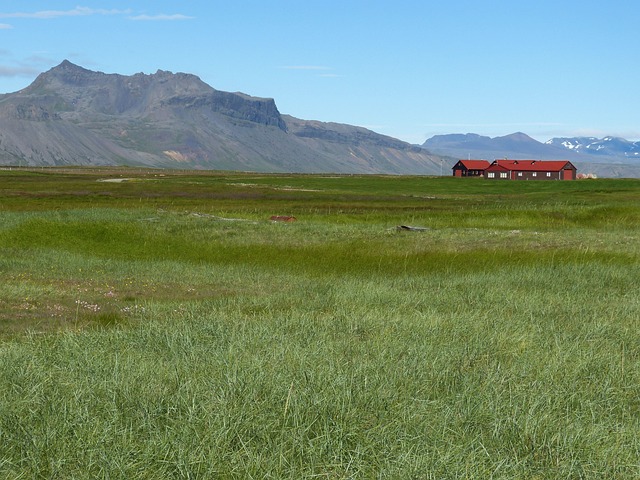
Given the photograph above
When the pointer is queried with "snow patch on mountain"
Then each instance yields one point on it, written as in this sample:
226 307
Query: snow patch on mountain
607 146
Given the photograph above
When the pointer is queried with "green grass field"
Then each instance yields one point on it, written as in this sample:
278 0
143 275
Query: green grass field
157 324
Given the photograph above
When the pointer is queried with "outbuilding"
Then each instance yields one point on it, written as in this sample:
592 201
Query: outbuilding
530 170
470 168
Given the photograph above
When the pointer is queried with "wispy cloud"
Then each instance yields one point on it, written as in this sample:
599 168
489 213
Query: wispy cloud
28 67
161 17
86 11
40 58
17 71
74 12
5 26
305 67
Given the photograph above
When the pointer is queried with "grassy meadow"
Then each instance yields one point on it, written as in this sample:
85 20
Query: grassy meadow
157 325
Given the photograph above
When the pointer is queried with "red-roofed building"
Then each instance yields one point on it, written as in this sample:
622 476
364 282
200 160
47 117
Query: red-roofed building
530 170
470 168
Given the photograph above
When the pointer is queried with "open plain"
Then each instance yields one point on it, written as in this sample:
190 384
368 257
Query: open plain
157 324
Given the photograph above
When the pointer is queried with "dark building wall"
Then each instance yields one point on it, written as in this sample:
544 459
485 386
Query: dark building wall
566 174
537 175
464 172
497 174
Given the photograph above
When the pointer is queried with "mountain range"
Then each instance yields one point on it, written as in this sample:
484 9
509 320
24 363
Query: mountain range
70 115
605 147
606 157
73 116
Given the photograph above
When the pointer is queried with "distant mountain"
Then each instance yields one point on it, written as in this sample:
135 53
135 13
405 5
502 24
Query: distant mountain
609 157
607 146
73 116
516 145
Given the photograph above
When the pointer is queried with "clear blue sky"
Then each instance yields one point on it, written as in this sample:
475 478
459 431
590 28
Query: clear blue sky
406 68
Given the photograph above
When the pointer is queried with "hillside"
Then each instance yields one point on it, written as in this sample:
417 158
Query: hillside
73 116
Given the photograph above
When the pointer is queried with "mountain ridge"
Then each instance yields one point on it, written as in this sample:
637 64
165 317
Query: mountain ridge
70 115
606 146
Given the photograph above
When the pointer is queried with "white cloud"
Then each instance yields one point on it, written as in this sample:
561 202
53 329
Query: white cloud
160 17
5 26
86 11
28 67
75 12
305 67
19 71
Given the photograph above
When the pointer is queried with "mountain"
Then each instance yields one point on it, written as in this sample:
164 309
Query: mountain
516 145
605 147
73 116
609 157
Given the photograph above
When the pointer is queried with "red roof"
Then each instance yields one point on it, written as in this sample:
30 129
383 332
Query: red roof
474 164
532 165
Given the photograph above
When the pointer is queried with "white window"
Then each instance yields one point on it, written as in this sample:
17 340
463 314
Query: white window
519 174
534 174
548 174
503 175
491 175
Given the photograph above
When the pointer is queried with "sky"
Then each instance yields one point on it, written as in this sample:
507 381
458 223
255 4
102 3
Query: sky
410 69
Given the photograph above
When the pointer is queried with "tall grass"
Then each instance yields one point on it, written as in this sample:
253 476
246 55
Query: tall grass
498 343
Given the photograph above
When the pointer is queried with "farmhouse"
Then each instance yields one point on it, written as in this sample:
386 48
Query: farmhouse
530 170
470 168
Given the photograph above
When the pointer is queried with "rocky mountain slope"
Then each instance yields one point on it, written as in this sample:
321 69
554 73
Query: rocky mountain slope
73 116
609 157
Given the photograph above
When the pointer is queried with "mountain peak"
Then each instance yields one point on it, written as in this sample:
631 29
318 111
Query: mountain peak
67 64
68 67
81 89
517 137
64 73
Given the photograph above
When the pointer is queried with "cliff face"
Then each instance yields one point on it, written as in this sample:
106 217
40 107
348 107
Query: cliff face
242 107
73 116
